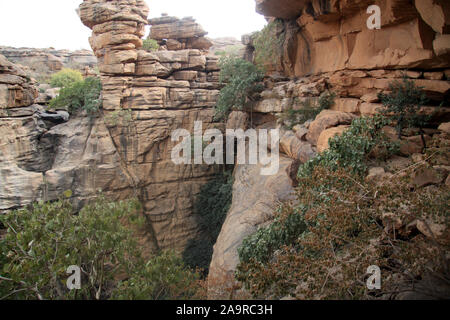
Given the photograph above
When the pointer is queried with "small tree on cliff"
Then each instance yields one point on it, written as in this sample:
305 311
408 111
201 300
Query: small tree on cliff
242 81
403 104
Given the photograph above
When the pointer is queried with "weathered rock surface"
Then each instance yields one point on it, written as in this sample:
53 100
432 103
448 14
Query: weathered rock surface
126 150
41 63
255 198
16 89
178 34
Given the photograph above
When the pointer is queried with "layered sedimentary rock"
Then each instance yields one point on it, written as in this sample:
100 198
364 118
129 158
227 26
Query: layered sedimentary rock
178 34
255 199
40 63
125 150
162 91
327 47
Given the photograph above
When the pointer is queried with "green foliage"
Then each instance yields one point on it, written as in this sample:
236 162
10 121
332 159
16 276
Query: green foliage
164 277
43 240
403 104
292 117
354 147
84 94
260 246
150 45
211 207
65 78
350 226
242 80
268 44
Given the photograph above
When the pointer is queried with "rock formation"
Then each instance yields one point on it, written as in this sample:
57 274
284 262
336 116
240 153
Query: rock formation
178 34
125 150
41 63
327 46
255 199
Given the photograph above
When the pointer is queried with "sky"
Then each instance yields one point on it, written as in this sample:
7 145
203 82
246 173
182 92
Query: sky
54 23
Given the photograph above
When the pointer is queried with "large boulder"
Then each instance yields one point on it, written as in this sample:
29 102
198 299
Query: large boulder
325 120
255 199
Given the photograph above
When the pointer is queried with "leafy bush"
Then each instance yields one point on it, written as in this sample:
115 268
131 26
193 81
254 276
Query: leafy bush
44 240
164 277
150 45
403 104
347 230
65 78
260 246
211 207
268 44
354 147
84 94
232 50
242 80
292 117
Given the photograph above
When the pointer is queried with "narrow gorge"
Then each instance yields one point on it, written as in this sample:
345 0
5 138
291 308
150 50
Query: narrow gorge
324 54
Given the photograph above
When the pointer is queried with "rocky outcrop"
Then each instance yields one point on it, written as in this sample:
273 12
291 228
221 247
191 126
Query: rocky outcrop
227 45
255 199
16 89
125 150
162 91
178 34
333 35
41 63
327 47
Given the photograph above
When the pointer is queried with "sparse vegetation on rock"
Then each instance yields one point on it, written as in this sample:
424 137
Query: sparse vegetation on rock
211 207
242 80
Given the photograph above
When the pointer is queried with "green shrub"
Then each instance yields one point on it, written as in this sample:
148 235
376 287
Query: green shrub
83 94
164 277
242 80
347 230
43 240
65 78
150 45
353 149
403 104
260 246
268 44
211 207
308 111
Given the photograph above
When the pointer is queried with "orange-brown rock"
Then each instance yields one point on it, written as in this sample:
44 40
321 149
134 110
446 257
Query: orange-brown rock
327 119
333 35
179 34
326 135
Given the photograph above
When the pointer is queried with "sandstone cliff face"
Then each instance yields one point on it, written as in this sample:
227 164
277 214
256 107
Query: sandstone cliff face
328 47
164 91
177 34
333 35
125 150
255 199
